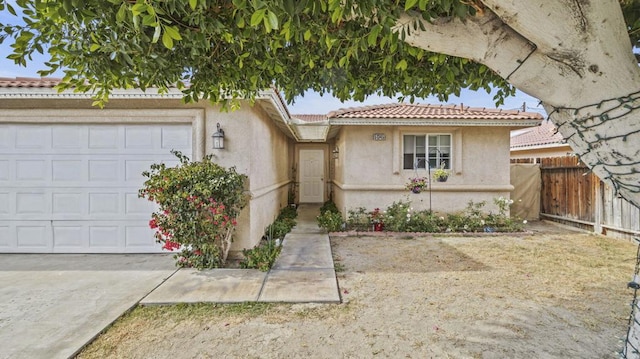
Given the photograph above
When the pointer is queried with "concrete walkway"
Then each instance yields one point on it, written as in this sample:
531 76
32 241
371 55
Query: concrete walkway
302 273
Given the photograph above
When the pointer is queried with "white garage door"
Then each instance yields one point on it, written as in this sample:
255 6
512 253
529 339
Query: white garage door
74 188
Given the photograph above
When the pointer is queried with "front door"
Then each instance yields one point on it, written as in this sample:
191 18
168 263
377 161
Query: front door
312 176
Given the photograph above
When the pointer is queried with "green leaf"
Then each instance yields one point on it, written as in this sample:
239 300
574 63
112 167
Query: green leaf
402 65
273 20
139 8
307 35
409 4
121 15
94 47
193 4
173 32
257 17
156 34
167 41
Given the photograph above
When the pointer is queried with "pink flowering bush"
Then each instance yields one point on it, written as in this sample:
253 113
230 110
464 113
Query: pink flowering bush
198 206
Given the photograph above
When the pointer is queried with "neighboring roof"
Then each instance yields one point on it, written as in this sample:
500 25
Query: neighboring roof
543 135
45 82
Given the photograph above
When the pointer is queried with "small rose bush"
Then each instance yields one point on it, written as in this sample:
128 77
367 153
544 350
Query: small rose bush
199 202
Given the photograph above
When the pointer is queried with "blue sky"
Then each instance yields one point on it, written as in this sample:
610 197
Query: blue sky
310 103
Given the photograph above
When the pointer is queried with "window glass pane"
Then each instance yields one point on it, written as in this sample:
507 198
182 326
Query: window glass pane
409 143
445 140
408 161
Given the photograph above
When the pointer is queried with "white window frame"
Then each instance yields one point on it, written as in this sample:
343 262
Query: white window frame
435 155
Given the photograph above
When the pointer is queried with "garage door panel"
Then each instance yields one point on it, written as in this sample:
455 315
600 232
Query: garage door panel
70 237
6 137
68 137
67 204
137 239
68 170
5 198
73 188
7 240
104 170
31 170
104 137
176 138
4 170
138 206
139 137
28 203
32 137
104 203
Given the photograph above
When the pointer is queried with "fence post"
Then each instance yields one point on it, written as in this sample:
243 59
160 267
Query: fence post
597 220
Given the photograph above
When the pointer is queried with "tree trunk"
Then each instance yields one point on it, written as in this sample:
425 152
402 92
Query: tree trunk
576 57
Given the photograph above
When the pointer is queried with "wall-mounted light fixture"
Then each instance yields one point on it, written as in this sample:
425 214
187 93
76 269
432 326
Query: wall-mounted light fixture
218 138
335 152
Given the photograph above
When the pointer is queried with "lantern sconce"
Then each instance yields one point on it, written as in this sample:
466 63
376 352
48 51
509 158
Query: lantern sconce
218 138
335 152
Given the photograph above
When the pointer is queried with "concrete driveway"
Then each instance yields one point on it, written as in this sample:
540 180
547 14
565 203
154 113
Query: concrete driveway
52 304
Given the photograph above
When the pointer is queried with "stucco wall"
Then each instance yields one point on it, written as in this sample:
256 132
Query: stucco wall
257 148
369 173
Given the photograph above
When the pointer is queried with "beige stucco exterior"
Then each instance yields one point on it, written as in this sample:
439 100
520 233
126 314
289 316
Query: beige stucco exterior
253 142
368 173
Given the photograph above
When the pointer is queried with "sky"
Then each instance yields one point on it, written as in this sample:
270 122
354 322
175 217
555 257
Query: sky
310 103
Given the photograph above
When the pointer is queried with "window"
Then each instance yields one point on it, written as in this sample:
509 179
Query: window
420 149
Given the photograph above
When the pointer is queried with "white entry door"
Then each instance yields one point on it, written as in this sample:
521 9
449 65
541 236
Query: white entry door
311 176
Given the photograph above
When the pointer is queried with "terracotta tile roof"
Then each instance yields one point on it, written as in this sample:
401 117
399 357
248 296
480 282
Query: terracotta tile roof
310 117
22 82
425 111
545 134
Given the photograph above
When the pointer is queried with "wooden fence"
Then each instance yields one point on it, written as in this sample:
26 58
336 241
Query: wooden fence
571 194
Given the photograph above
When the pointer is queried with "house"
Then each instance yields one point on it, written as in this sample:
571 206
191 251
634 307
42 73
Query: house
70 172
538 142
380 147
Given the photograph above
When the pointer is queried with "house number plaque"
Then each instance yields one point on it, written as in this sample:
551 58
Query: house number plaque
379 137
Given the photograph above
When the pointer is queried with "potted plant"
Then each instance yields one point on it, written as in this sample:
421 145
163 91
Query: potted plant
417 184
375 217
440 174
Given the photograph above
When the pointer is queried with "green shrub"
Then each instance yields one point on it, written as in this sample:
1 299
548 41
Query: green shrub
397 216
198 206
331 221
261 256
329 206
358 219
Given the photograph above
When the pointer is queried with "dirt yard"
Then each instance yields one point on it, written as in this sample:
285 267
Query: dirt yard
552 294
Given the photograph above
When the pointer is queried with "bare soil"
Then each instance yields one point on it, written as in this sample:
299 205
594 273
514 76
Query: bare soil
554 293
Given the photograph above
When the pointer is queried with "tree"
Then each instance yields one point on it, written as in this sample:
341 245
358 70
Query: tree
576 56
